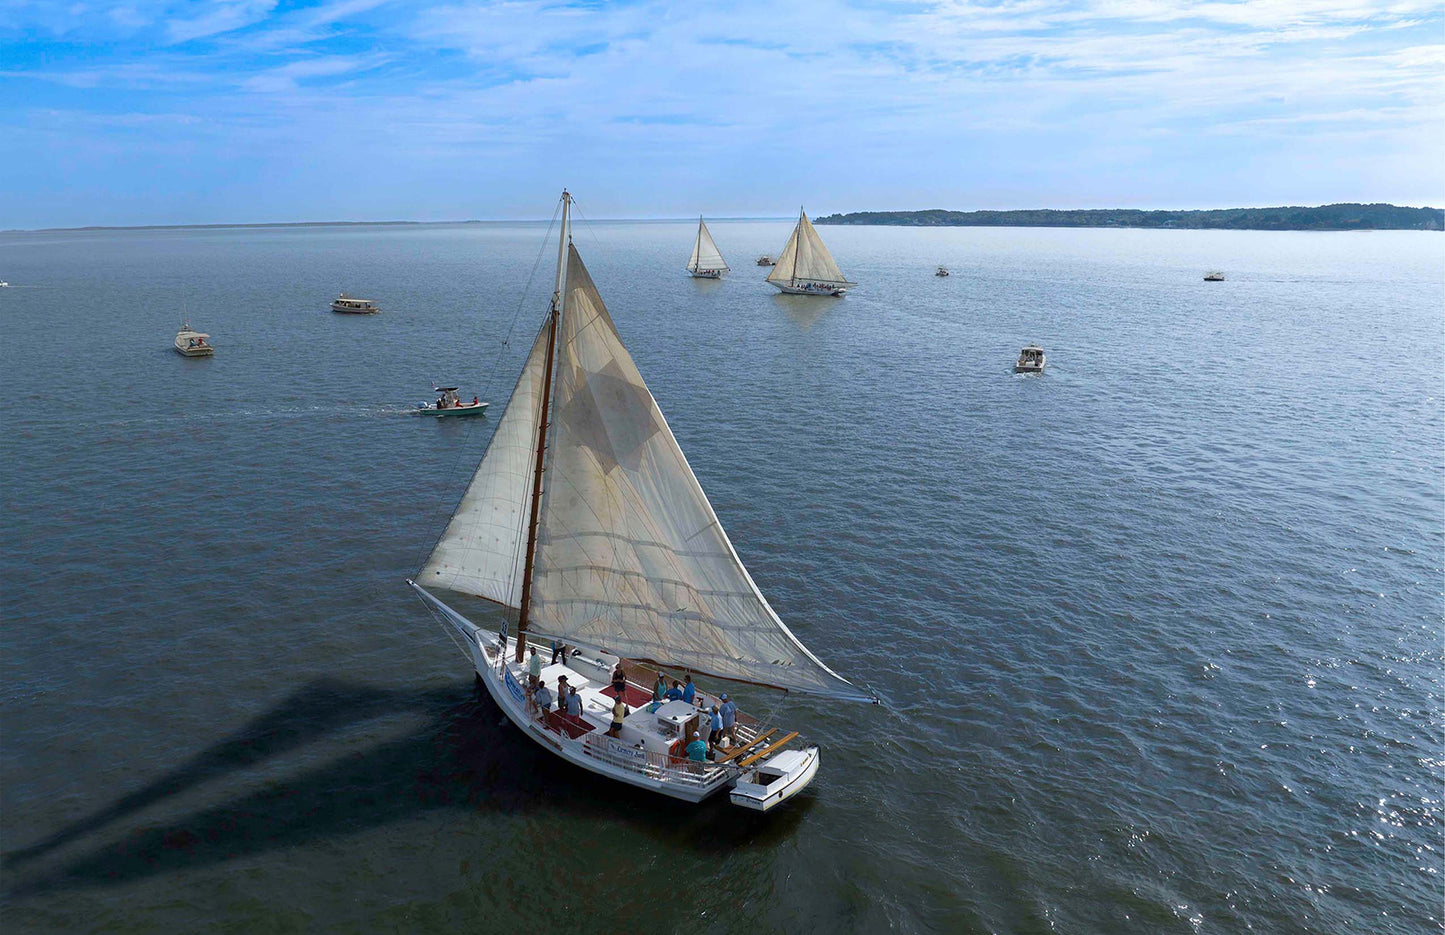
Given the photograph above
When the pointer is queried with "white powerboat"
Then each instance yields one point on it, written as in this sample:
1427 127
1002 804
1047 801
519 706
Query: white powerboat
585 521
766 260
1214 276
449 404
350 305
942 271
1031 360
192 343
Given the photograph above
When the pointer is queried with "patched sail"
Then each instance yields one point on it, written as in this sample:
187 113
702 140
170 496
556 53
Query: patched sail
806 259
630 555
705 254
482 552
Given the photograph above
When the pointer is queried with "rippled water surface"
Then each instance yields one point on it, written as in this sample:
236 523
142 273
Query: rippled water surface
1160 628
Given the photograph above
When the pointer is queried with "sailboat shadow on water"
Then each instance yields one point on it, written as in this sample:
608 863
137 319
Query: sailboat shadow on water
464 758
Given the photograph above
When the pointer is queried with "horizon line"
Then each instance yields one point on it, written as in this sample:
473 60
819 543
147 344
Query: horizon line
395 223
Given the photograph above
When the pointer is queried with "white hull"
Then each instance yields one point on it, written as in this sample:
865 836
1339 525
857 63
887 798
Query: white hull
465 409
816 290
614 758
767 787
195 351
705 273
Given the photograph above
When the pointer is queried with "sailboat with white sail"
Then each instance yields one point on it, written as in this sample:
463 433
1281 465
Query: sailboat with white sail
805 267
706 261
585 524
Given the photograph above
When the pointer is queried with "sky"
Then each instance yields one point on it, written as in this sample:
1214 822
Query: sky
166 112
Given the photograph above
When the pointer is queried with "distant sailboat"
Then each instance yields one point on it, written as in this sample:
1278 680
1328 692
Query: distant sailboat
706 261
805 266
585 520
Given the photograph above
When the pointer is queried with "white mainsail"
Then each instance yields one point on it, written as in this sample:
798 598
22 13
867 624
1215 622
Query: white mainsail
806 259
482 552
705 254
630 556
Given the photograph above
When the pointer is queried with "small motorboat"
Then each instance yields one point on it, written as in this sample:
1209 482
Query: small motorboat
350 305
942 271
776 780
192 343
449 404
766 260
1214 276
1031 360
4 284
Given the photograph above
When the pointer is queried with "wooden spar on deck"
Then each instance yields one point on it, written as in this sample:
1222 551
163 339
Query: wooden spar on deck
559 299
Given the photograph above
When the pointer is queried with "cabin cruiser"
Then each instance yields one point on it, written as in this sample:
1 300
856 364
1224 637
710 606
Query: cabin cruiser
449 404
350 305
1214 276
1031 360
192 343
4 284
942 271
766 260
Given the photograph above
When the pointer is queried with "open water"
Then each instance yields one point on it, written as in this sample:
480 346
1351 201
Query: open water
1160 629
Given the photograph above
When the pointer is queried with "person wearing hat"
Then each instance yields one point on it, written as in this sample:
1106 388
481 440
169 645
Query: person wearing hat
714 727
729 712
697 750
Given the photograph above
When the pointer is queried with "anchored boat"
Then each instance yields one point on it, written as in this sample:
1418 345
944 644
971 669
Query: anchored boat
706 261
805 266
350 305
192 343
1031 360
586 525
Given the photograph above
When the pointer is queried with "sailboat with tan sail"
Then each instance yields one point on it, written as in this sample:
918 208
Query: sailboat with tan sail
706 261
805 267
586 525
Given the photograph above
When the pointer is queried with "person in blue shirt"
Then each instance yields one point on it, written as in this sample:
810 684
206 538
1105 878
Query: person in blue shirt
542 697
674 693
714 727
697 750
689 690
729 712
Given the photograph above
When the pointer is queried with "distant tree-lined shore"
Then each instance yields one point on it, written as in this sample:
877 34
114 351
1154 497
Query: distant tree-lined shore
1341 217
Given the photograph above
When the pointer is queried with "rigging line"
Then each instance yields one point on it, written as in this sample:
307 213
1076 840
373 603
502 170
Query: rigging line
588 222
471 422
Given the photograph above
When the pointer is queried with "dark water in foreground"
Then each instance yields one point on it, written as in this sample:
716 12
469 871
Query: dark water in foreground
1162 627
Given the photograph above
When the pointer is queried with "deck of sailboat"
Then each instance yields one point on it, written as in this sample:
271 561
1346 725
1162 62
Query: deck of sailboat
641 755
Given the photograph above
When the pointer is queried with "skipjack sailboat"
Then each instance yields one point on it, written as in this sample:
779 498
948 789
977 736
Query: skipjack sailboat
805 266
585 519
706 261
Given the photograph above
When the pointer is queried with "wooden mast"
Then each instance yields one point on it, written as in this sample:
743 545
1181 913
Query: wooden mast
558 300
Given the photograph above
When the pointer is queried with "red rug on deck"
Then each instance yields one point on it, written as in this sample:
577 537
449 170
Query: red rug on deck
636 697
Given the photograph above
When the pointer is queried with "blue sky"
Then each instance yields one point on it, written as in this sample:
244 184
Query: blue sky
153 111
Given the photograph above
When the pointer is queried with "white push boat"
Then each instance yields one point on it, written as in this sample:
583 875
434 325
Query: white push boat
586 525
706 261
1031 360
449 404
805 266
192 343
350 305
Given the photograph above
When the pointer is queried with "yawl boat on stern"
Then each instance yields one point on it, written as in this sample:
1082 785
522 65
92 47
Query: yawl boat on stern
805 267
585 519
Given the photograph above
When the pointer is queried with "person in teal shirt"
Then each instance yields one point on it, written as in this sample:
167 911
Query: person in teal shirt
697 750
659 689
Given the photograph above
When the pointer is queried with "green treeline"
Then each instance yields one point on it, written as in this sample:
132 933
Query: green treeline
1342 217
